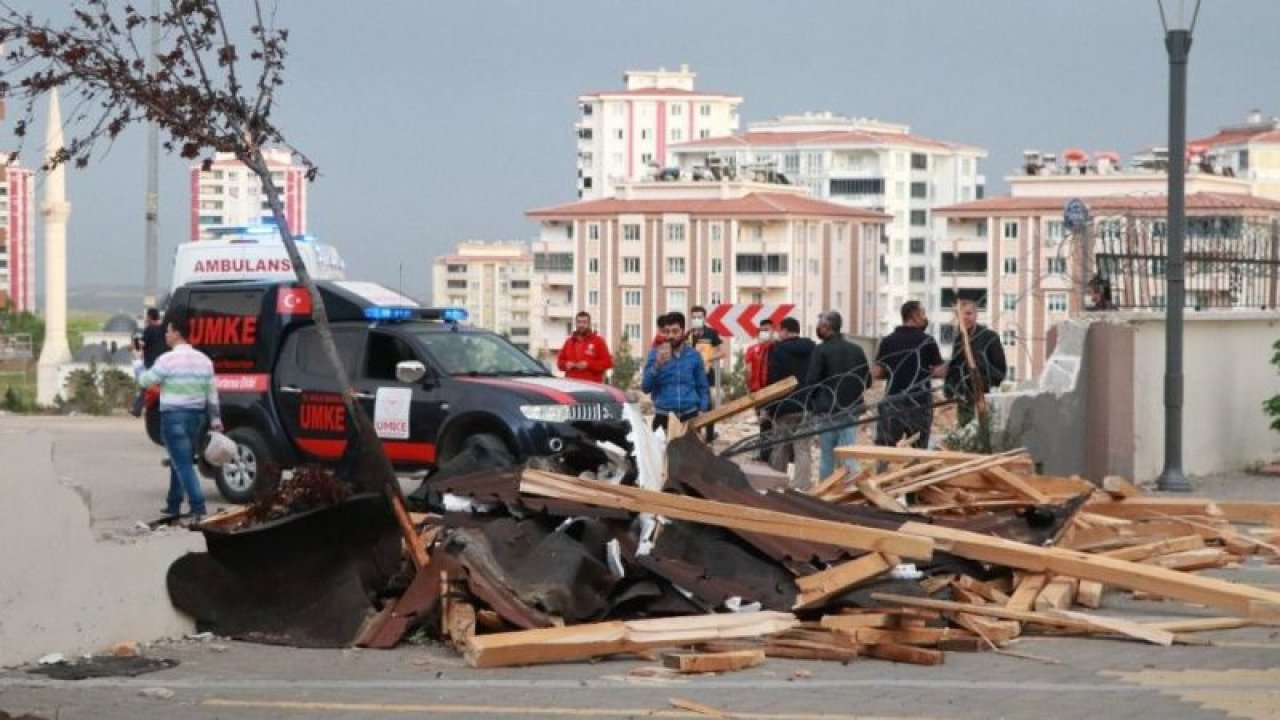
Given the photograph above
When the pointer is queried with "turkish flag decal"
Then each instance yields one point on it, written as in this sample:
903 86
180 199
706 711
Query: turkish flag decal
293 301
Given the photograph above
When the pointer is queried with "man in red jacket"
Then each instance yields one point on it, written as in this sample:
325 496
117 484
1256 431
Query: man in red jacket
585 356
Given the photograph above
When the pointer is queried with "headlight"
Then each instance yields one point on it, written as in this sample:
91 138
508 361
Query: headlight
547 413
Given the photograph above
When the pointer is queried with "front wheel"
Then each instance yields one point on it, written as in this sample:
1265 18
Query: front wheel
253 470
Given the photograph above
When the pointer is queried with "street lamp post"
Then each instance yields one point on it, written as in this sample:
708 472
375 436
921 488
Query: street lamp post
1177 40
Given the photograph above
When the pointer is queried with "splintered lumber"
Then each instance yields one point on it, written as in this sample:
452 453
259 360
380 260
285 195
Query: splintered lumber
834 482
905 454
582 642
728 515
712 662
979 463
1017 484
1024 596
819 586
1080 622
905 654
887 478
1262 513
899 636
419 599
1120 488
1057 595
1189 560
760 397
1262 606
1198 625
878 497
1138 553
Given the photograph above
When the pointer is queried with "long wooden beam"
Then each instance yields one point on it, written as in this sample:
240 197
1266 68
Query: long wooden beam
729 515
759 397
905 454
1246 601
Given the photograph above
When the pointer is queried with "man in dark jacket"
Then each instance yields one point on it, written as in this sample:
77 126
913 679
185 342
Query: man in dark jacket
987 352
908 359
790 357
839 374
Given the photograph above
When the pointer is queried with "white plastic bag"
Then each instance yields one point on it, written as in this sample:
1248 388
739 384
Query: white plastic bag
220 450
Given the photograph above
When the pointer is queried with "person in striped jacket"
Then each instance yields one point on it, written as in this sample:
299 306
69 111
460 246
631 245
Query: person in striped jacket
188 394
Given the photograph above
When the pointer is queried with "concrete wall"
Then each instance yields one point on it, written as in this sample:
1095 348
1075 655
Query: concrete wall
60 589
1098 408
1228 374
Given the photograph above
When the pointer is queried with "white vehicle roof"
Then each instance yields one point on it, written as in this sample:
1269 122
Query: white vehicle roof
252 255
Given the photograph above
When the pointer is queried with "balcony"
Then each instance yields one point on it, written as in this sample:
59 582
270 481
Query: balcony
553 310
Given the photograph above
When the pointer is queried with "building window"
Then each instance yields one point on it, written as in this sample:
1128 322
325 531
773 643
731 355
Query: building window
1009 338
519 284
704 110
630 264
593 265
631 298
593 298
631 331
455 268
1010 230
677 109
1055 266
717 266
631 232
644 133
716 297
677 299
919 190
917 274
1057 302
704 133
917 246
675 232
772 264
715 230
593 231
919 161
457 284
919 218
1053 232
675 265
617 134
1010 266
869 186
646 158
1009 301
553 262
677 134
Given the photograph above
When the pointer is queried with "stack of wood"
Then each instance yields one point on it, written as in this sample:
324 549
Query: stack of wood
920 553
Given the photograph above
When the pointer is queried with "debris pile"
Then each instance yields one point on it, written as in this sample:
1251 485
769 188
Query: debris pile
919 553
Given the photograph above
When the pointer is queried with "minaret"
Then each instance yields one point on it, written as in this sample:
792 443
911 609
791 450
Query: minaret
56 210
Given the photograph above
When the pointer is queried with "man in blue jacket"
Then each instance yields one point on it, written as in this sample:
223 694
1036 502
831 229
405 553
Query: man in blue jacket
674 376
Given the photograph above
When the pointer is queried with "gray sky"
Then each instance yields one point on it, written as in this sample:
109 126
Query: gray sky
435 122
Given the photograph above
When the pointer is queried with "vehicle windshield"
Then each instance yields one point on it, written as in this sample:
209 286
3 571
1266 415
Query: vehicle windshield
474 353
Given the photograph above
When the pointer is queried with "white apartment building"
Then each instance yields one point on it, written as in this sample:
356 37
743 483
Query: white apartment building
1250 151
1014 258
17 239
623 135
493 281
228 194
663 246
860 163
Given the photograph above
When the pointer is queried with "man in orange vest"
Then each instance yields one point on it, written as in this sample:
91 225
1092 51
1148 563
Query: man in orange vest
585 356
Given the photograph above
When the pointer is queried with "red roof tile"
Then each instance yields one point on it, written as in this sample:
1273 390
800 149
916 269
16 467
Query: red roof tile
822 137
1196 202
754 204
1234 136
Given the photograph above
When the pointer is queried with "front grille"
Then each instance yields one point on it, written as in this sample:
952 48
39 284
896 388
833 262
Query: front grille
591 412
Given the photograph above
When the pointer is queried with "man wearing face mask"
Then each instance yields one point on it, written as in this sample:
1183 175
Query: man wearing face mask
790 357
585 356
708 344
908 359
839 374
756 360
674 376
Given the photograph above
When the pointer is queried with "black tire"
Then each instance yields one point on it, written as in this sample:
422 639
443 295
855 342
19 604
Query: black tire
255 469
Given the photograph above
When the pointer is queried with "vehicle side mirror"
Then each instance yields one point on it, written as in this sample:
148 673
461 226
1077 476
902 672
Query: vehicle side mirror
410 371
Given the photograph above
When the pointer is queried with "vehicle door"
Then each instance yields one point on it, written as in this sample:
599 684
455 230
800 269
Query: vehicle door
407 416
309 396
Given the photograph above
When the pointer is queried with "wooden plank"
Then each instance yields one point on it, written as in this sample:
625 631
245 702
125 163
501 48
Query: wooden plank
1068 621
1138 553
417 600
1190 560
986 590
1244 601
1017 484
905 654
746 402
1198 625
1025 594
820 586
1058 594
700 708
898 636
713 662
893 476
877 497
1154 507
727 515
868 619
981 462
1263 513
582 642
1089 594
834 482
905 454
1120 488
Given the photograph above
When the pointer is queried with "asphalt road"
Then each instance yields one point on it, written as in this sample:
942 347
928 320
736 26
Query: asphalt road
1054 677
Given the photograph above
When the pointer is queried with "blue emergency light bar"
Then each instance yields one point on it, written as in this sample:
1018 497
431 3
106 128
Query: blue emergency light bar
389 314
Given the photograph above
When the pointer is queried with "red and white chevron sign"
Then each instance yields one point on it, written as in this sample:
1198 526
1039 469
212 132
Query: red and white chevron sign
740 320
